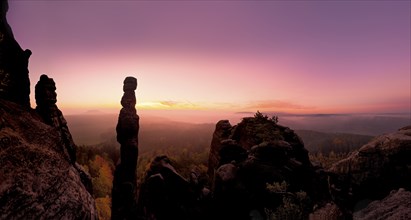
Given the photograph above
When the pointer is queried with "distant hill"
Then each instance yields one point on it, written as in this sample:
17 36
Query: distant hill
89 129
160 133
372 124
155 132
316 142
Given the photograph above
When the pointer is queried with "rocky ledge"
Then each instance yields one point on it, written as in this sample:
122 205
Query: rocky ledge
374 170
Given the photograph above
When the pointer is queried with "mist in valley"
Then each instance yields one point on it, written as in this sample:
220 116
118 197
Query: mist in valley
156 132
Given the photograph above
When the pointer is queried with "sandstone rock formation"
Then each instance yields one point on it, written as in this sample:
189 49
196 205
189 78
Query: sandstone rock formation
37 180
39 176
253 131
14 78
374 170
46 98
222 132
397 205
124 201
245 157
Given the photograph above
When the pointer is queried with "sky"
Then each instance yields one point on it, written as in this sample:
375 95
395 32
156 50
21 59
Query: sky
299 57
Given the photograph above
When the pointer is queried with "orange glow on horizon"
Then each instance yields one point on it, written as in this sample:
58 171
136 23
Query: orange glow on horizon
269 106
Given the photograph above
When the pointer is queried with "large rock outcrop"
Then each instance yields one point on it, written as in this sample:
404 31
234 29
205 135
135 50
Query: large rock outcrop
37 180
253 131
374 170
397 205
14 78
124 201
246 157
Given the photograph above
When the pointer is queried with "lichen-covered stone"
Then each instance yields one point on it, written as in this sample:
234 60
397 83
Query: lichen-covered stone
37 180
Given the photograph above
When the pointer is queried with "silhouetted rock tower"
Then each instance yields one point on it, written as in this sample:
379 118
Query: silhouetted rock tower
46 99
124 202
14 73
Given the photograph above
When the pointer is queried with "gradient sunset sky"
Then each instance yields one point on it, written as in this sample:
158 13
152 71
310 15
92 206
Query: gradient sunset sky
274 56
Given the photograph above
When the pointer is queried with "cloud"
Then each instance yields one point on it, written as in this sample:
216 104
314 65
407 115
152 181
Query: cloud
169 104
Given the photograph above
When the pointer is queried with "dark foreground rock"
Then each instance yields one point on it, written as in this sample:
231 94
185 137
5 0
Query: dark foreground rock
14 73
329 211
165 194
38 181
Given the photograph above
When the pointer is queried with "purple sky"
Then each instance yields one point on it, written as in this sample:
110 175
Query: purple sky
298 57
